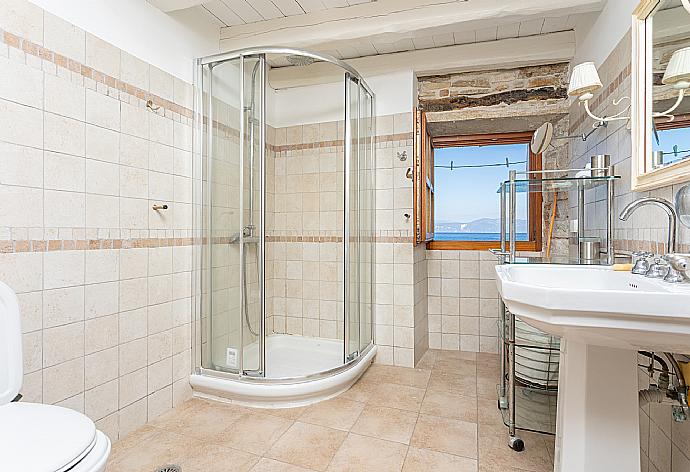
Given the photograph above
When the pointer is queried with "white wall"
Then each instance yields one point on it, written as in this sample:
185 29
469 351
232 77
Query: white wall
135 26
596 42
321 103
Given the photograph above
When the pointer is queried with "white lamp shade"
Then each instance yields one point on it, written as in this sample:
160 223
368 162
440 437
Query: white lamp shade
584 80
678 69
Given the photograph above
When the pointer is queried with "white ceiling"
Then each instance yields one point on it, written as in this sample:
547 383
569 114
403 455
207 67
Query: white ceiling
389 31
227 13
424 41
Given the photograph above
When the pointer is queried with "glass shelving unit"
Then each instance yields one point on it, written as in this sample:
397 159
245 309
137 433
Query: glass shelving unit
529 402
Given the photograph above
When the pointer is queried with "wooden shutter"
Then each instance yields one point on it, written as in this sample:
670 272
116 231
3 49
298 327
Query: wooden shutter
423 182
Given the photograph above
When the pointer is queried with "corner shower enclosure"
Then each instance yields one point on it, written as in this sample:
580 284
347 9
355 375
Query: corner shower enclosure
286 267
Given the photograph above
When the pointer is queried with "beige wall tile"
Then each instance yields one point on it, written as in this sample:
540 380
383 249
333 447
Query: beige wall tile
32 351
64 172
20 83
102 56
22 18
102 144
101 367
22 206
101 299
64 97
161 83
100 333
63 269
102 211
63 380
102 110
64 209
102 265
134 71
63 306
132 387
63 343
64 135
20 124
64 38
101 401
21 165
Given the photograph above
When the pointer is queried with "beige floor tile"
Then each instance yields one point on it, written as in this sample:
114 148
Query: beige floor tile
424 460
486 385
494 453
428 360
446 435
462 367
450 405
397 396
450 355
398 375
386 394
360 453
254 432
160 449
270 465
453 383
488 412
386 423
307 445
338 413
200 419
214 458
287 413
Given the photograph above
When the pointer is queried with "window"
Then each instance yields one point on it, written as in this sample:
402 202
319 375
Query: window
672 138
457 199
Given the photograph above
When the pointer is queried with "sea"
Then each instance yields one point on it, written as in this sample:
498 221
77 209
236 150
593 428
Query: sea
475 236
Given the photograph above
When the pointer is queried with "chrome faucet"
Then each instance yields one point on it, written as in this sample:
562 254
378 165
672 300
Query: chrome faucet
669 271
666 206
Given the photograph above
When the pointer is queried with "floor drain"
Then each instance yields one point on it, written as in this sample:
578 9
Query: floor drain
169 468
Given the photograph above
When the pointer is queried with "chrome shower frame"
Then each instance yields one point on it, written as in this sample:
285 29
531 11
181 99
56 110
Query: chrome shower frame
350 74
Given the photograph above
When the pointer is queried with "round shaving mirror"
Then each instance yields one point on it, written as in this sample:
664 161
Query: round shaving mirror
542 138
683 205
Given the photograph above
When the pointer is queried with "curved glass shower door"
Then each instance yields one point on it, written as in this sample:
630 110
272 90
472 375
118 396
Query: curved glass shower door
235 175
288 218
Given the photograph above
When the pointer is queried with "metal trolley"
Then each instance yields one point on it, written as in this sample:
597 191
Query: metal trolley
528 399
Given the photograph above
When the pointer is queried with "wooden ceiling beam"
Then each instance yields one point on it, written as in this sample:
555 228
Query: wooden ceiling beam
392 20
501 54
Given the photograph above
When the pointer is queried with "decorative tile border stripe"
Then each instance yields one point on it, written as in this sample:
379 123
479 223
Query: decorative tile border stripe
50 245
337 143
37 245
336 239
97 76
649 246
604 95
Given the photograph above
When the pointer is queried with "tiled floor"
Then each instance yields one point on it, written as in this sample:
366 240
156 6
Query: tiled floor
439 417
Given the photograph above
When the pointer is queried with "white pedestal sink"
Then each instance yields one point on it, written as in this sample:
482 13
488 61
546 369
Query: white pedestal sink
603 317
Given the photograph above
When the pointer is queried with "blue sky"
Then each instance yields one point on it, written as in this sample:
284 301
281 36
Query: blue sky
671 137
463 195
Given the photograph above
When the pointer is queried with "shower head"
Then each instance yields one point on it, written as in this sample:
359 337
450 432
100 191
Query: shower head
298 60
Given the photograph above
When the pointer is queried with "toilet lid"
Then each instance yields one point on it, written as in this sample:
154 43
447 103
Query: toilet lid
43 438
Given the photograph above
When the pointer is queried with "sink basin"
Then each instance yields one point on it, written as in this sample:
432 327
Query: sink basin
599 306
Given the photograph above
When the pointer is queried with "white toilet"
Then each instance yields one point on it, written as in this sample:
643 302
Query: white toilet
36 437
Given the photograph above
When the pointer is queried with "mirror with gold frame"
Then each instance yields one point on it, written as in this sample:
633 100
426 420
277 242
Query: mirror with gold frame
661 93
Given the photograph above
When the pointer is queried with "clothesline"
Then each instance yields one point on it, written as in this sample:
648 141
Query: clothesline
507 163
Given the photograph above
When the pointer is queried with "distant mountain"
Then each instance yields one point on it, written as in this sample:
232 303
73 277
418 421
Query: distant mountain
482 225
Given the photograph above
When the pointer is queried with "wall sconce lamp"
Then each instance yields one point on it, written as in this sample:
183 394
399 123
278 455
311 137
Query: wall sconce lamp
677 75
584 81
686 4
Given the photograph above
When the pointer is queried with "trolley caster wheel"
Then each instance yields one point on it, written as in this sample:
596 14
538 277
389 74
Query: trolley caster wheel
516 444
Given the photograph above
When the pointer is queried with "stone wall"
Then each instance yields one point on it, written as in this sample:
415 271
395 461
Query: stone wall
462 295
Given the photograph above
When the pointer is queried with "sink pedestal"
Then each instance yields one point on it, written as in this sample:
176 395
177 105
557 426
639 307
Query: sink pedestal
597 427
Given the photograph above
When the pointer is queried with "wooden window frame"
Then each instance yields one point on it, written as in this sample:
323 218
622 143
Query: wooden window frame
535 199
